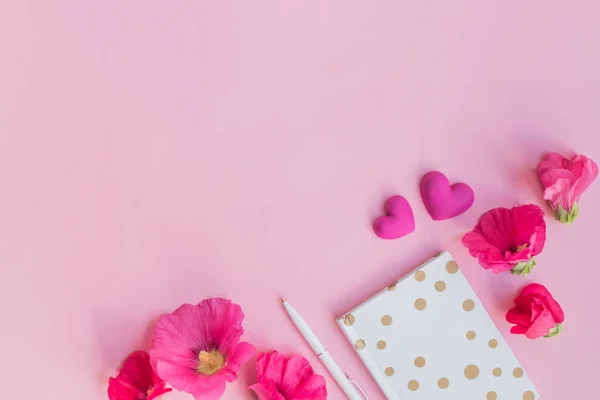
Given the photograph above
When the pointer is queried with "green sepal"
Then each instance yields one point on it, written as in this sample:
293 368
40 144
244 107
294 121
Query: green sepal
566 217
554 331
523 268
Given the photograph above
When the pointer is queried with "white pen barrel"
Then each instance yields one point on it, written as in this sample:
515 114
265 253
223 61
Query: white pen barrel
339 376
308 334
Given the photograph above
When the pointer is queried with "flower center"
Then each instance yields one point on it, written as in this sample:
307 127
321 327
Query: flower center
520 248
149 391
210 362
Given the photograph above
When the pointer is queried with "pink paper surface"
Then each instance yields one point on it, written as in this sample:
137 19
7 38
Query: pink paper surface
154 153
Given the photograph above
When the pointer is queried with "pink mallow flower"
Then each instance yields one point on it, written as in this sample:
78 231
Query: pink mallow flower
197 348
136 380
287 378
508 239
536 313
564 182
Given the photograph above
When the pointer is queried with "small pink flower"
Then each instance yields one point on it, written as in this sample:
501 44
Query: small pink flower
196 349
136 380
564 182
508 239
536 313
287 378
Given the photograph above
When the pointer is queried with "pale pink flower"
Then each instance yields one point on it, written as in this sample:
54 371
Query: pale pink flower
565 181
508 239
287 378
197 348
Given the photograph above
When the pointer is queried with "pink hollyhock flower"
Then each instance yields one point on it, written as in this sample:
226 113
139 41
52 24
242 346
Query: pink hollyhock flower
508 239
287 378
564 182
196 349
536 313
136 380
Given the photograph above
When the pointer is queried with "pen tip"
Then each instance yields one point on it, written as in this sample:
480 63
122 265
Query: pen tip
282 301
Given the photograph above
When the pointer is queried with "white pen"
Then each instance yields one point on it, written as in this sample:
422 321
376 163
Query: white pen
334 369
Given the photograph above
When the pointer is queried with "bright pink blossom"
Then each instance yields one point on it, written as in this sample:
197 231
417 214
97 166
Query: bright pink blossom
565 181
508 239
536 313
197 348
136 380
287 378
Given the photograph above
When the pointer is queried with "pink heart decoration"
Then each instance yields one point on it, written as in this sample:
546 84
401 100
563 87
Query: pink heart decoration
399 221
443 201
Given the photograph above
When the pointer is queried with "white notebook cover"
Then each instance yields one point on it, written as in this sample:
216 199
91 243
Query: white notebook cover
428 337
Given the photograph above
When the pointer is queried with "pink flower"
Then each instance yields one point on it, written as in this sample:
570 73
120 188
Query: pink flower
136 380
196 349
564 182
287 378
506 239
536 313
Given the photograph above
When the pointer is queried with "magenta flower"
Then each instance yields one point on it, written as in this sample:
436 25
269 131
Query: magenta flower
196 349
508 239
136 380
287 378
536 313
564 182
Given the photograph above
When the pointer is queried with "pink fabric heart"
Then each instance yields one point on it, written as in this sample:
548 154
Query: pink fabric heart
399 221
443 201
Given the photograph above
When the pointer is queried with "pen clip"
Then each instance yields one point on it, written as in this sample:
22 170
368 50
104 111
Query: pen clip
352 381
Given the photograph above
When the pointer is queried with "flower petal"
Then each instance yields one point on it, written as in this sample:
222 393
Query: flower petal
296 371
240 355
312 388
518 330
265 393
118 391
496 227
206 388
534 289
527 221
541 325
292 377
270 367
519 317
588 173
553 161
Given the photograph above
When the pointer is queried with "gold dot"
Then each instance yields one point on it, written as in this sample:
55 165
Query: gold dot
419 362
360 344
471 335
518 372
471 371
381 344
392 287
491 396
443 383
420 304
389 371
420 276
493 343
386 320
349 320
413 385
452 267
497 372
528 395
468 305
440 286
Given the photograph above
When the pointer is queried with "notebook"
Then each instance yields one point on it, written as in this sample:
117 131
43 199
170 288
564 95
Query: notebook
427 337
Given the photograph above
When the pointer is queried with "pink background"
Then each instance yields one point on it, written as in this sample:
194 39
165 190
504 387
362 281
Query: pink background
160 152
